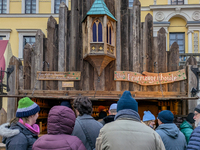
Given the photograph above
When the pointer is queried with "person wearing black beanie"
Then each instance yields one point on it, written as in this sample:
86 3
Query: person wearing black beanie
170 134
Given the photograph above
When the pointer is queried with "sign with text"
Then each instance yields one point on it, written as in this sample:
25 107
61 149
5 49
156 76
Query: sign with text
67 84
147 78
54 75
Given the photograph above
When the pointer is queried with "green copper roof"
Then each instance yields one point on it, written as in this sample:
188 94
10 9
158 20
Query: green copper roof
100 8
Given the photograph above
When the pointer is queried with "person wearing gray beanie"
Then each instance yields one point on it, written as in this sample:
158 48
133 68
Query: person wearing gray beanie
170 134
127 131
195 136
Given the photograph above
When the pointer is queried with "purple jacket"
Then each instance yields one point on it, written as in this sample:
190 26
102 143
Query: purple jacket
61 122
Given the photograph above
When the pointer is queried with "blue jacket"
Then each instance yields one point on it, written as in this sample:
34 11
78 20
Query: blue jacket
17 137
91 125
194 143
171 136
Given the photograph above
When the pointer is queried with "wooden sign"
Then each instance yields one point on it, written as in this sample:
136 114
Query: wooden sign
54 75
67 84
147 78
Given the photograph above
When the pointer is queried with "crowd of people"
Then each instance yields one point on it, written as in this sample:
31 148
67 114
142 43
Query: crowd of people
122 129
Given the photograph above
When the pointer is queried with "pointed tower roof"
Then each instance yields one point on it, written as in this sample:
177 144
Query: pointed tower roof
99 8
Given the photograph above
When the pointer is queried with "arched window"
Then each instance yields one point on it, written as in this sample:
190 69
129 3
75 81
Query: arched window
97 31
109 33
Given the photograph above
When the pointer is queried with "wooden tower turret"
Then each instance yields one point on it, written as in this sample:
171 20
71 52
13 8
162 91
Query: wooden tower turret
99 36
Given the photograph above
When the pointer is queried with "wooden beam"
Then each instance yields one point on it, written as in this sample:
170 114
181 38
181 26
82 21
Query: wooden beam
102 97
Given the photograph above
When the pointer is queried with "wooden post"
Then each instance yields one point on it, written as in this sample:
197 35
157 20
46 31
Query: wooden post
51 55
148 46
161 65
13 82
118 42
3 119
155 59
134 42
173 62
124 41
62 49
192 83
141 47
27 66
38 58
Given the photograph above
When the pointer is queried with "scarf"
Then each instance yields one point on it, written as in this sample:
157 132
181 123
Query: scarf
34 128
127 113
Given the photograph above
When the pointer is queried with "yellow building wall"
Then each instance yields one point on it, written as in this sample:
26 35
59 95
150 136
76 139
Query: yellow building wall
178 25
22 23
193 1
162 2
44 7
15 7
146 2
144 13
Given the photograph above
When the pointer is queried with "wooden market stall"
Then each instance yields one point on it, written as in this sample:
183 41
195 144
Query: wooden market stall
100 56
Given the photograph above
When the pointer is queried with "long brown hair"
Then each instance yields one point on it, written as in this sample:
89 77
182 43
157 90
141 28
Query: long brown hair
15 120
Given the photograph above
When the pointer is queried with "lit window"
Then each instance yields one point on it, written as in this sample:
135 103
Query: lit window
30 6
177 2
3 6
131 3
57 5
28 39
180 39
97 31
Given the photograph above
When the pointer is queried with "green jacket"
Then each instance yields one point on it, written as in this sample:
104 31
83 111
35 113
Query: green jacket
186 129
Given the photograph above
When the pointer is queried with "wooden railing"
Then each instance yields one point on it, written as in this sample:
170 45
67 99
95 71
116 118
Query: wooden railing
184 57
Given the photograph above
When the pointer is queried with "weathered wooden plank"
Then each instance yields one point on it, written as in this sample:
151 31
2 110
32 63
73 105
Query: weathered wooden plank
27 66
130 47
192 83
62 46
118 40
102 93
51 55
3 118
111 6
13 82
37 59
99 81
173 61
191 61
155 59
55 75
161 65
109 74
136 39
124 41
148 46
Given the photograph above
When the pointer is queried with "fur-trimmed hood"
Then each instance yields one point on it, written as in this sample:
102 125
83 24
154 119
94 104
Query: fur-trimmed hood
6 132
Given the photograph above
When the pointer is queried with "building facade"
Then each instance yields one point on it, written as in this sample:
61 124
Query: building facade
20 20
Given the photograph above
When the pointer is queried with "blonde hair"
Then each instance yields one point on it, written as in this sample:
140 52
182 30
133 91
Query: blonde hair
148 122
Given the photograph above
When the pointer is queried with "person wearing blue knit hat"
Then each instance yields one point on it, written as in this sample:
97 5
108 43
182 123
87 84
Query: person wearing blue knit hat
127 131
170 134
149 119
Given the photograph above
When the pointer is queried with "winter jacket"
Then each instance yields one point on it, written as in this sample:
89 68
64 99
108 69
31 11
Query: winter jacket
194 142
108 119
186 129
91 126
128 133
171 136
17 137
60 123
